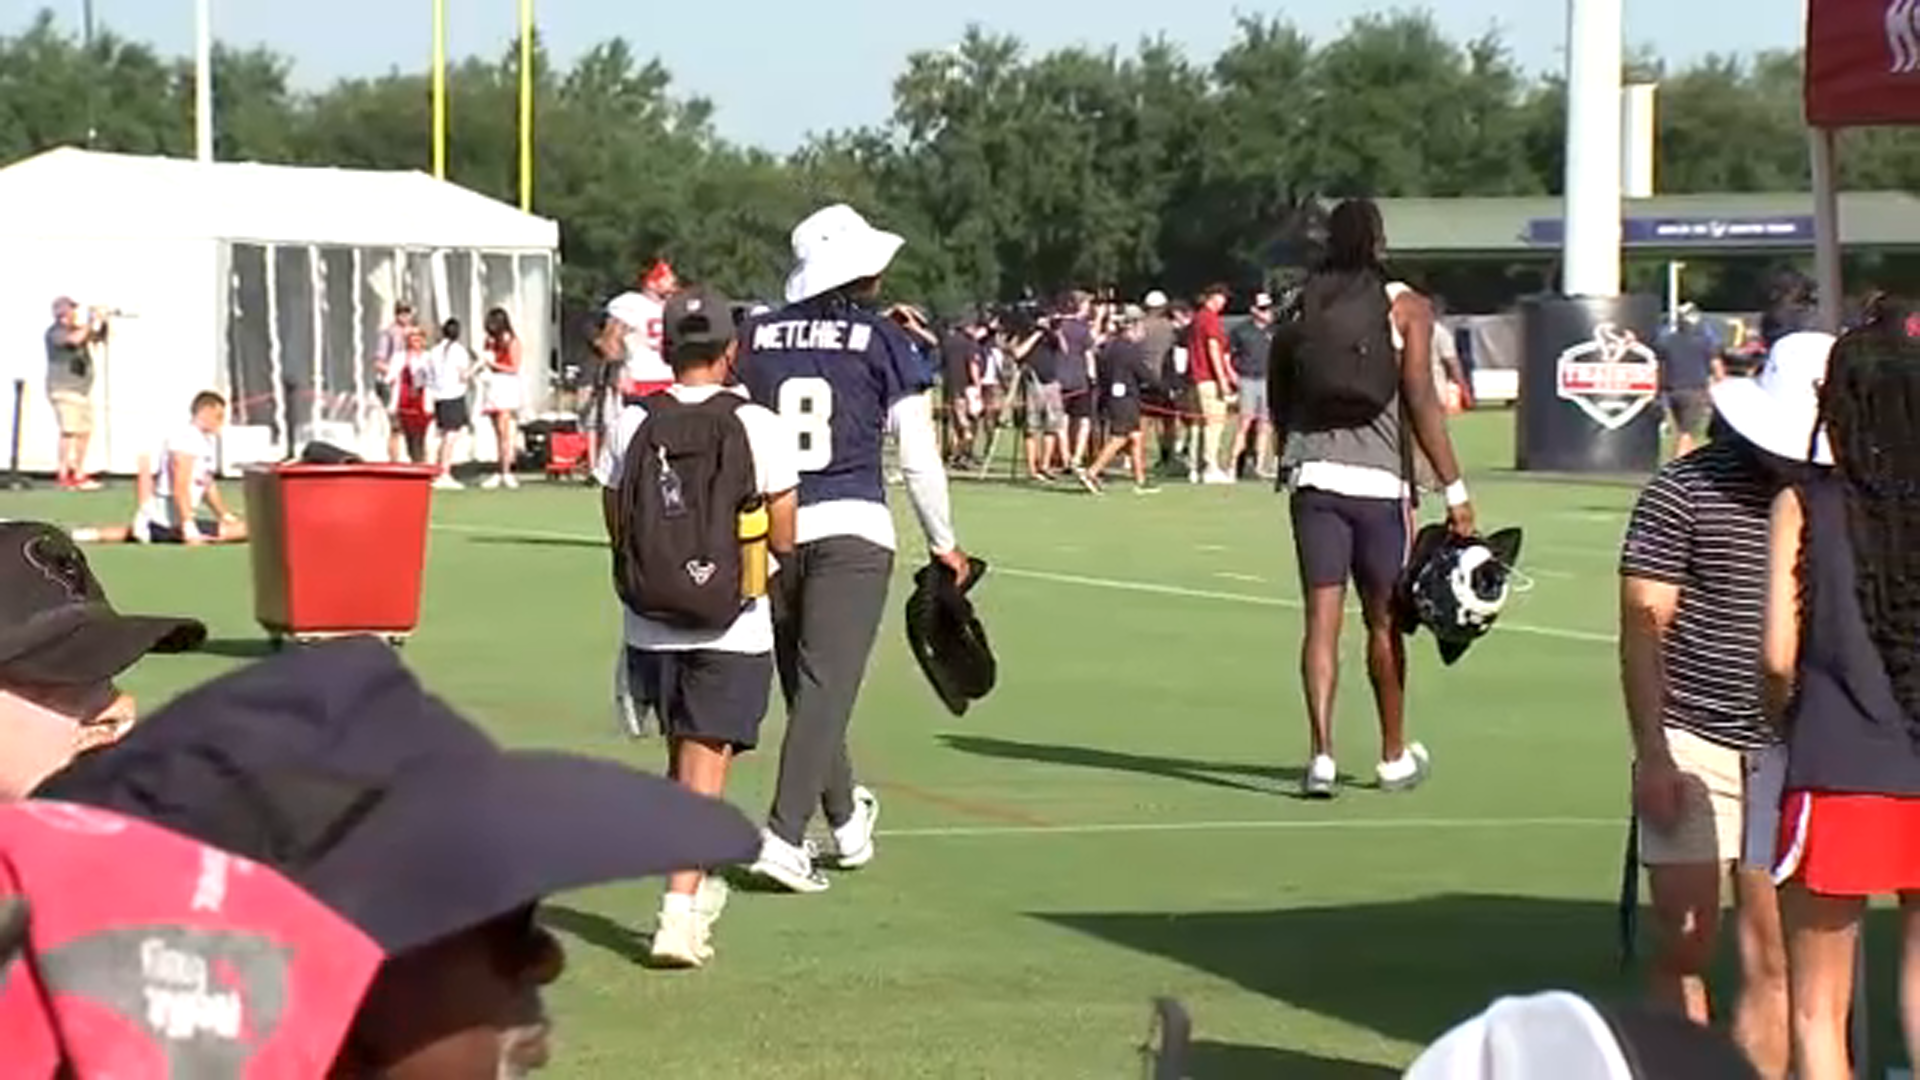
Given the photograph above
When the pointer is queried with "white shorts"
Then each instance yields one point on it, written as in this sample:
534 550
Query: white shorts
500 393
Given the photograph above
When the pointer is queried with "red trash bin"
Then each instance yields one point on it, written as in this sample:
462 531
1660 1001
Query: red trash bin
338 549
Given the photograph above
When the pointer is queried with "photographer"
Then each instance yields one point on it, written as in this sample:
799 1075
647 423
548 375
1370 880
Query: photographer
1034 343
70 386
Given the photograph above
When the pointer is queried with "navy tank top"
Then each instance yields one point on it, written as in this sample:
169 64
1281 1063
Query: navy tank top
1846 732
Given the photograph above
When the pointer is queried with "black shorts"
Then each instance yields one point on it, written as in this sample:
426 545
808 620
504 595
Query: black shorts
167 534
1691 410
1122 416
1079 402
451 415
1340 536
703 694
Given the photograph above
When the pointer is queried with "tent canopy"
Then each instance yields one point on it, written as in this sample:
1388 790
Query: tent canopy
132 198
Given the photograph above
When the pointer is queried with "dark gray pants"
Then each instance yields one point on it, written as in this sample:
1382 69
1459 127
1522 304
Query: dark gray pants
825 617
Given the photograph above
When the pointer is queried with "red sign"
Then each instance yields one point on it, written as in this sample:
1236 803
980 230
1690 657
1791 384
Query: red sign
1863 63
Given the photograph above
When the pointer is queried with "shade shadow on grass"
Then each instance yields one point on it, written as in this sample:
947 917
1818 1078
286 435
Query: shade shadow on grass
1230 1061
1236 775
1407 970
626 942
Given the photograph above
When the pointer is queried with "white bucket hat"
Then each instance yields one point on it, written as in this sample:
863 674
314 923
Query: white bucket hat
835 246
1566 1037
1777 409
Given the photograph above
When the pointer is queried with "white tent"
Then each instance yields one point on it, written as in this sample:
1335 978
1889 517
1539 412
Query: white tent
268 283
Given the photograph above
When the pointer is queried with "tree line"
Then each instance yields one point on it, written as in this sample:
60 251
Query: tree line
1009 172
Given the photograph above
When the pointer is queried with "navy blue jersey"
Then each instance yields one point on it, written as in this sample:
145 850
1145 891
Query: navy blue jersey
832 372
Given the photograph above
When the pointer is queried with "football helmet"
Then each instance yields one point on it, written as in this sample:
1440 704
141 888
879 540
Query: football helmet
1455 586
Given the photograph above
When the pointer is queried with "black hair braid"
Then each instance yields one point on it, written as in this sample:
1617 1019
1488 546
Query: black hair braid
1870 408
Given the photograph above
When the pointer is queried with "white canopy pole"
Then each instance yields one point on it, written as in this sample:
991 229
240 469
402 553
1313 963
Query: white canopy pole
1826 227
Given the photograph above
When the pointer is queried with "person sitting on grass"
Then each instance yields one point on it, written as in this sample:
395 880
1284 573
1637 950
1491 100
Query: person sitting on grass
168 499
61 647
708 688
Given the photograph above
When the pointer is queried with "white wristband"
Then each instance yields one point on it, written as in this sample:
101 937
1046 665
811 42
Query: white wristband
1456 494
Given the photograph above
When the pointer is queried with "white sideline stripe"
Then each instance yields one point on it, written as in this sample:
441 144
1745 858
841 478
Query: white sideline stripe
1114 584
1281 825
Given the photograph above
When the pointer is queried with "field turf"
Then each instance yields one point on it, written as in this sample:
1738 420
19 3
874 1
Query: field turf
1117 822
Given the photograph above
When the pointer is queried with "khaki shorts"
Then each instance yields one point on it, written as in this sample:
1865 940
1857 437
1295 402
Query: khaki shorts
73 411
1731 809
1213 403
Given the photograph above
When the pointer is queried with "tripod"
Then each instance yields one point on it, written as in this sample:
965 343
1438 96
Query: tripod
14 481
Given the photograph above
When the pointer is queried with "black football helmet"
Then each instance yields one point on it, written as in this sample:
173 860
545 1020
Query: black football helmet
1455 587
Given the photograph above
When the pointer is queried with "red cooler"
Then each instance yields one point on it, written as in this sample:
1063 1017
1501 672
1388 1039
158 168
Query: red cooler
338 549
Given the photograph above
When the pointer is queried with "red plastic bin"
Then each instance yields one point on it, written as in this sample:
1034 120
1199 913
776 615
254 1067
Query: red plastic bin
338 549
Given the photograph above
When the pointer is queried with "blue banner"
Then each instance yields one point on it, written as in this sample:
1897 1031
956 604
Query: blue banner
1687 232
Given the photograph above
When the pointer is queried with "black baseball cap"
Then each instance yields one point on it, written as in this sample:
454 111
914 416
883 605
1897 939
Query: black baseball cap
56 626
698 316
333 765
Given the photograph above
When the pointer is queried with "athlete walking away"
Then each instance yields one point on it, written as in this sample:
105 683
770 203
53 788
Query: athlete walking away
841 375
1350 376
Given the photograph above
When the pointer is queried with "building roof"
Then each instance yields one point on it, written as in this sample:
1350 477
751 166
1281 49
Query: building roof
79 193
1664 224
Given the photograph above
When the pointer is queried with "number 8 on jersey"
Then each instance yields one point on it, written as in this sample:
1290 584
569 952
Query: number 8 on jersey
806 404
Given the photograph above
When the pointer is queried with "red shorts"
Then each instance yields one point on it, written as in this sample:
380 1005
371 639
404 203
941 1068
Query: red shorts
1849 845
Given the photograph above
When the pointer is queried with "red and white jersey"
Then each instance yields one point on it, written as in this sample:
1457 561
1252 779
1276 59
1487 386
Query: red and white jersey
643 316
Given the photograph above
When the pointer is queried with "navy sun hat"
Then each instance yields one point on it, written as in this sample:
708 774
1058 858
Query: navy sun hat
333 765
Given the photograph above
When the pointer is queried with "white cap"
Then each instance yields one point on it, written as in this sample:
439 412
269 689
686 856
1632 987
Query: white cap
1155 299
835 246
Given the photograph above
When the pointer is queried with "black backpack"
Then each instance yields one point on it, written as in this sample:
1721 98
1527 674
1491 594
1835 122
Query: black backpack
675 528
1344 370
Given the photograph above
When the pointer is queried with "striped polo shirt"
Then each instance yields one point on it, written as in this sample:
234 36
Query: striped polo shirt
1702 524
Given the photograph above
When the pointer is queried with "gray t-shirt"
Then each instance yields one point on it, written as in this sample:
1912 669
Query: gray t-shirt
1158 335
69 367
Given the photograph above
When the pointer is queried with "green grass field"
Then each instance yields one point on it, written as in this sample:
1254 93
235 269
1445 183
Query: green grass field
1118 821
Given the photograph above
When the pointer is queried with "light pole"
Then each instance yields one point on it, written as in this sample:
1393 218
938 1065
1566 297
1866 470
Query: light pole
440 89
93 70
526 105
203 80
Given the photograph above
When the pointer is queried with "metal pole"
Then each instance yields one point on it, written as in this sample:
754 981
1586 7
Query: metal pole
526 105
440 88
203 80
15 481
1592 245
93 72
1826 227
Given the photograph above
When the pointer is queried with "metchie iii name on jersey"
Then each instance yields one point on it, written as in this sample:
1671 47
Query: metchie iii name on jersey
812 335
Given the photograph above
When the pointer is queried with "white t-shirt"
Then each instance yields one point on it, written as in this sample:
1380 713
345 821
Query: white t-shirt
644 318
452 365
201 449
775 469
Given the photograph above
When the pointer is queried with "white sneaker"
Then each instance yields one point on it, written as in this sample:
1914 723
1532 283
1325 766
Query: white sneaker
491 482
446 482
676 942
787 866
1322 776
1406 772
509 481
1219 476
851 845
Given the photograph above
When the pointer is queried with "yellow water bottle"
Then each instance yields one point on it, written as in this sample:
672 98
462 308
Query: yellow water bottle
754 526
